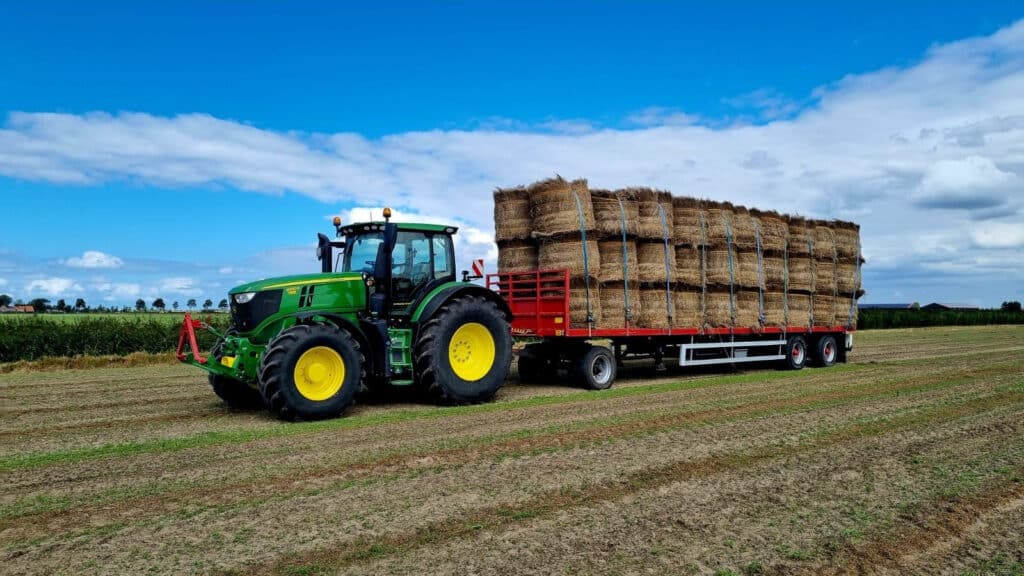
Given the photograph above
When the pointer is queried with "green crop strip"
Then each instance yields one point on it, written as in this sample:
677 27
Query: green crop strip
205 439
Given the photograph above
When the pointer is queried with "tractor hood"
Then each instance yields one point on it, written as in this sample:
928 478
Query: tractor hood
296 280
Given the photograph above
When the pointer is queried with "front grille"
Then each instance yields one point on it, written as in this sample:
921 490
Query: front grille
245 317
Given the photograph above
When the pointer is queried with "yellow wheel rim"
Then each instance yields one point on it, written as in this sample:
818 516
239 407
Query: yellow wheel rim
319 373
471 351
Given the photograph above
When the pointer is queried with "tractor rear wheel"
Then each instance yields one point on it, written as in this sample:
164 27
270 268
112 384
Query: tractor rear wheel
464 351
310 371
234 393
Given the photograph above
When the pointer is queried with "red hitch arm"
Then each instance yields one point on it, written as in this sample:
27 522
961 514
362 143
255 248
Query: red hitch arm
188 328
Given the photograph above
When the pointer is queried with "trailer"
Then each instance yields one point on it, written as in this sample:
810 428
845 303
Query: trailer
539 304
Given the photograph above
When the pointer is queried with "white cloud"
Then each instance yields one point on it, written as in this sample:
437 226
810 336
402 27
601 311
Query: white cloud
53 286
3 282
117 291
225 270
894 149
998 235
94 259
178 285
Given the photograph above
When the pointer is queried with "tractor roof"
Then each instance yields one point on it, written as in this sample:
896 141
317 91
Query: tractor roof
357 227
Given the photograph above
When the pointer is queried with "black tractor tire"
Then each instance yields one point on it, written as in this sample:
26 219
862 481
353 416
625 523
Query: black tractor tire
594 368
796 353
826 352
282 394
235 393
438 341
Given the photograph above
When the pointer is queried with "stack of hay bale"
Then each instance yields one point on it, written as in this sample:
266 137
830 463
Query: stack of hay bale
654 261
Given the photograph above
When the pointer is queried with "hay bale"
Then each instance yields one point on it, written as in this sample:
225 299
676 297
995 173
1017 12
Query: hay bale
517 255
844 314
687 215
719 218
554 209
555 254
651 261
824 310
748 308
775 309
824 240
609 213
578 303
613 269
847 240
512 219
798 236
824 275
613 305
655 308
688 261
799 315
800 270
774 272
718 265
741 225
746 269
651 204
846 278
773 229
687 313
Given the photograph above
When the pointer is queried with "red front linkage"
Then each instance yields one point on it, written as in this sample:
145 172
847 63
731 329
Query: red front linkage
188 327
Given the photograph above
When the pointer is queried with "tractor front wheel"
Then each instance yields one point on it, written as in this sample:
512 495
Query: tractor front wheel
464 351
310 371
234 393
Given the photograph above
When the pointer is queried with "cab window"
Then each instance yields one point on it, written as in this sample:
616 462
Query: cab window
443 265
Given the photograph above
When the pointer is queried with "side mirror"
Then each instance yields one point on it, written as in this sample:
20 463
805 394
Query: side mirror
323 252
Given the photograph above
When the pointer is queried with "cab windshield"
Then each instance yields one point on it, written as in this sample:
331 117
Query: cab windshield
417 259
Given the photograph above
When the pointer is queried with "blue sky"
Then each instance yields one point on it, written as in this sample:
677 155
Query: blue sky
188 147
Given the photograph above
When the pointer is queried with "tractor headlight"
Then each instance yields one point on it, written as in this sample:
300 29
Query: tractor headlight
244 297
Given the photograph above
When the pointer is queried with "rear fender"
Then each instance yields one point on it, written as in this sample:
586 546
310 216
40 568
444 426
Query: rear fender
444 294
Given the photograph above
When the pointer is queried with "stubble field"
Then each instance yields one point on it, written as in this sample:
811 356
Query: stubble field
907 460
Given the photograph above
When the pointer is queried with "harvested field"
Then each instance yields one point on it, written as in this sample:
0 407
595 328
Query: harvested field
907 460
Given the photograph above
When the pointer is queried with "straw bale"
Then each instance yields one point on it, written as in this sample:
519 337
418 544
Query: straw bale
609 214
512 219
718 267
688 265
824 275
655 308
798 235
517 255
741 225
719 215
554 209
556 254
847 239
773 229
612 268
746 269
613 305
800 269
688 313
744 305
824 240
578 303
651 258
775 309
846 277
824 310
799 315
687 214
774 268
844 315
651 203
748 308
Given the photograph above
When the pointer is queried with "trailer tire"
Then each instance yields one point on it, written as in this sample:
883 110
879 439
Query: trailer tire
310 371
235 393
464 351
595 368
827 351
796 353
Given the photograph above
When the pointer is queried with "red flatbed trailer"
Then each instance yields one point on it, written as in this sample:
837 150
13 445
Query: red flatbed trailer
539 301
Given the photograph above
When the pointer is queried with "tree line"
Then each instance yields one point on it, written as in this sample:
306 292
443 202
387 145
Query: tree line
80 305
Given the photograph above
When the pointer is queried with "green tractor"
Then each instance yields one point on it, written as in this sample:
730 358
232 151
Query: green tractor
385 310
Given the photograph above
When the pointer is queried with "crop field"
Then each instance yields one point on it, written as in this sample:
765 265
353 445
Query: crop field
907 460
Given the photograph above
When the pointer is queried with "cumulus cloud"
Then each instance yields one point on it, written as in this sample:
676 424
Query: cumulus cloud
94 259
53 286
937 145
117 291
177 285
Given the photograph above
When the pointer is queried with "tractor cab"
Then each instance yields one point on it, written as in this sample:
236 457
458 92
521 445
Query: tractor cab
409 260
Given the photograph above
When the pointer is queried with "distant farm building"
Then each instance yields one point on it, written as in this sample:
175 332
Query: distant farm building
948 306
17 309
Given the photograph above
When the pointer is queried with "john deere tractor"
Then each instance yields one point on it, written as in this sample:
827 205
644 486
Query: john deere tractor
385 310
